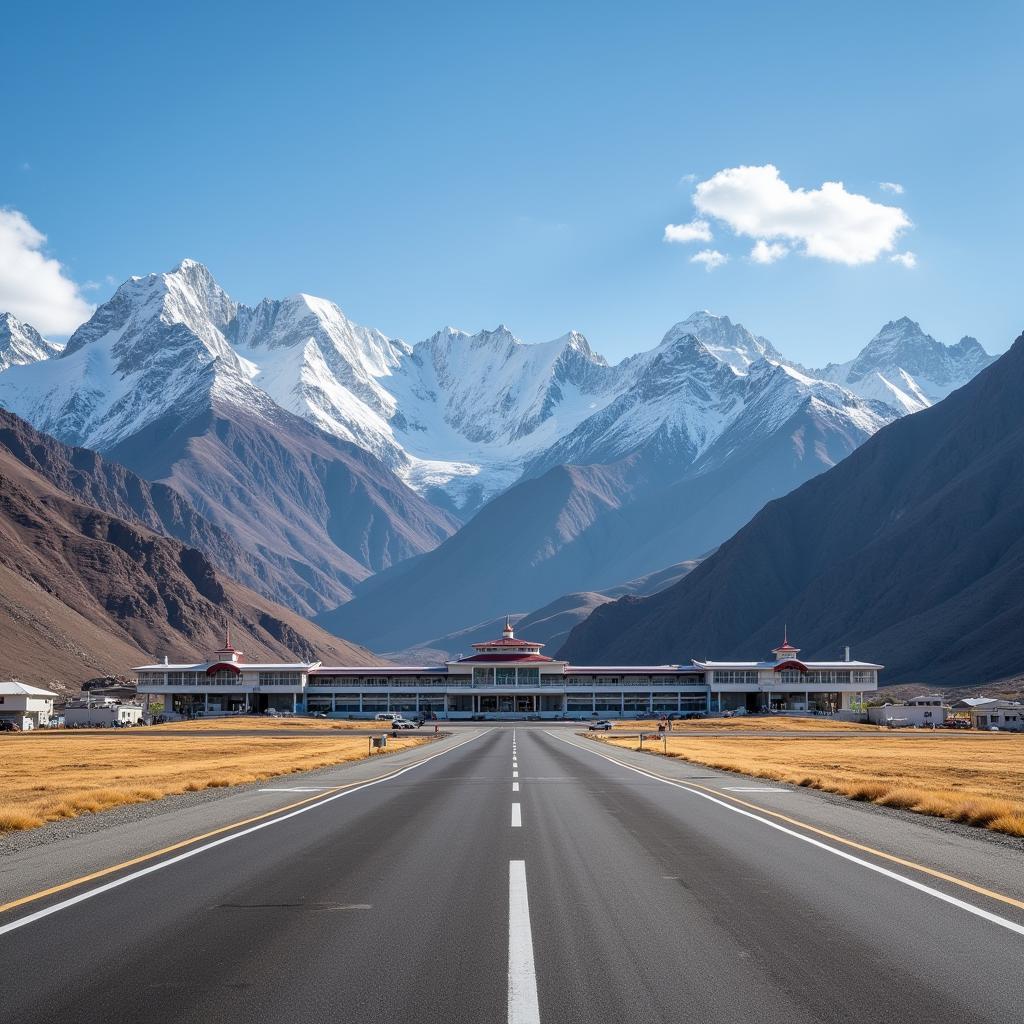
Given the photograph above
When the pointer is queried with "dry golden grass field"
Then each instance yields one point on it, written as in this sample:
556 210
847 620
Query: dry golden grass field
49 775
975 778
751 723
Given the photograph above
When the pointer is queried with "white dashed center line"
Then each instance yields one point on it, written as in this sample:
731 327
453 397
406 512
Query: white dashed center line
523 1007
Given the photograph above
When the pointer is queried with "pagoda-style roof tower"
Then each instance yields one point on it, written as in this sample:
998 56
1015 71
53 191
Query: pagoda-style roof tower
507 648
786 654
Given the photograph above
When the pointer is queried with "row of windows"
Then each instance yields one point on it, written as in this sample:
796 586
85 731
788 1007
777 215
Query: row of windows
640 679
736 677
506 675
815 679
404 680
280 678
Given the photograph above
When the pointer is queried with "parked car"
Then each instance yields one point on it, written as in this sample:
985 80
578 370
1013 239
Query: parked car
386 716
7 725
599 726
402 723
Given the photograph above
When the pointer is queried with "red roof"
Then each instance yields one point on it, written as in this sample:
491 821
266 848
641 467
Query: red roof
223 664
508 641
790 663
506 657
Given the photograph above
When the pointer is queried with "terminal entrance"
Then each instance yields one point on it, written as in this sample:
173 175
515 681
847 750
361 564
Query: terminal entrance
508 703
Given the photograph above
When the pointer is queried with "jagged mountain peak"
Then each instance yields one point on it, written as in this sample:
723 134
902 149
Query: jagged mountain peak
459 416
728 342
902 346
970 344
905 367
187 295
21 343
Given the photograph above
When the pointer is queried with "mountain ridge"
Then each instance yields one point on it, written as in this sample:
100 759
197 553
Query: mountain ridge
910 550
85 593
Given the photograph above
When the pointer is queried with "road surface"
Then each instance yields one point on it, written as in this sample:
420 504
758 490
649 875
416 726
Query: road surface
517 875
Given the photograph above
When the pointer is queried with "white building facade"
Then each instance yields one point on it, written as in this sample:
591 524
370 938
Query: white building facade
102 711
1005 715
28 707
509 678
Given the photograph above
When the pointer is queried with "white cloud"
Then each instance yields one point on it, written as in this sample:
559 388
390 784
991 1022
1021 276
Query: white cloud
891 186
35 287
829 222
768 252
695 231
906 259
711 258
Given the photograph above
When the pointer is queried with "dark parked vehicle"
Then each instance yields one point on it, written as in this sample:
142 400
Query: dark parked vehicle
6 725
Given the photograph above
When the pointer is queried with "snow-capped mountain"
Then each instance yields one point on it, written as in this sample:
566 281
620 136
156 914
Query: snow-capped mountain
156 347
730 343
152 381
677 402
332 452
458 417
422 410
907 368
21 343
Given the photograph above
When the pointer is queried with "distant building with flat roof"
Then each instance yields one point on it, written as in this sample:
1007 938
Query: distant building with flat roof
508 678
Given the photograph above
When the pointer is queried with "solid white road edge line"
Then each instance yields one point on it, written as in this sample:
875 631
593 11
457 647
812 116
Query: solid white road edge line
523 1007
142 872
878 869
517 816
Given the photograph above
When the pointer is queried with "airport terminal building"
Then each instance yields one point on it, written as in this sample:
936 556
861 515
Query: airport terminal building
508 678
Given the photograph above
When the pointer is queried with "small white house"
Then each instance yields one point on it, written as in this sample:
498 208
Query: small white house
909 715
104 711
1005 715
927 700
27 706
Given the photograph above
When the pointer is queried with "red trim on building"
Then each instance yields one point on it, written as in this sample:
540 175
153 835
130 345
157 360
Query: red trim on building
223 664
505 657
790 663
508 641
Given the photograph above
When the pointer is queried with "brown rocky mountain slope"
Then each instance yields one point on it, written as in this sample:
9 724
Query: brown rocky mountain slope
911 549
84 592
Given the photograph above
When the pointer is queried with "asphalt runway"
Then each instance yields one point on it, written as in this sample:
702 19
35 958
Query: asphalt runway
517 875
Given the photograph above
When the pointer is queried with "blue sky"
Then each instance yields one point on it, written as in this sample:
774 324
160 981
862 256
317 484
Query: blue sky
426 164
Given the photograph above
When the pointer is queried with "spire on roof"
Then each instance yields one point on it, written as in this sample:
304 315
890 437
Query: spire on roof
508 633
227 652
785 649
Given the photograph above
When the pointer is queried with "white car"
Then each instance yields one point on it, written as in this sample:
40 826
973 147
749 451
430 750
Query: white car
386 716
402 723
603 726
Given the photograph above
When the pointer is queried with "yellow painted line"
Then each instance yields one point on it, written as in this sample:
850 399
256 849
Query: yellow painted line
142 858
892 858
